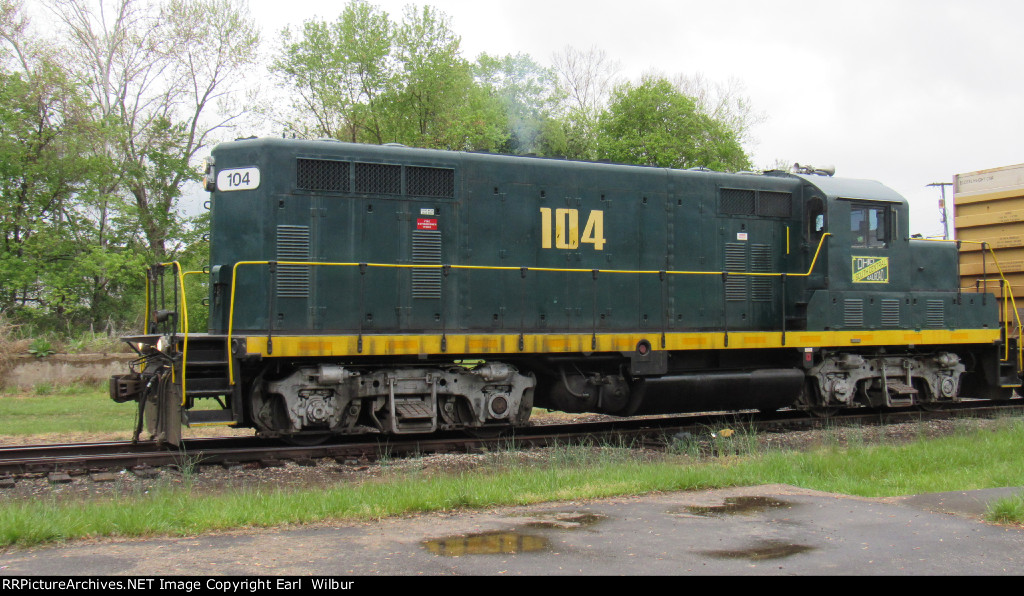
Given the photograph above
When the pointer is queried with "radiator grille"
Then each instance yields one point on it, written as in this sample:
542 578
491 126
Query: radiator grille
736 202
426 250
764 203
292 245
853 312
736 260
890 312
761 288
430 182
774 204
322 175
378 178
936 313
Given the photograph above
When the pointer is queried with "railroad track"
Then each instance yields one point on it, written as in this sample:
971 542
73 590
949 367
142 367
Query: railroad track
142 456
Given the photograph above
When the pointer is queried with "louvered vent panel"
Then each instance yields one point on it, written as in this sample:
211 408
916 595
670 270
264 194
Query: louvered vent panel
890 312
853 312
736 260
761 262
774 204
736 202
426 250
936 313
322 175
430 182
378 178
292 245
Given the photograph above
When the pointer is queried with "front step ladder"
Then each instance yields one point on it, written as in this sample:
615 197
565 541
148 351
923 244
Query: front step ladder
206 376
900 394
412 414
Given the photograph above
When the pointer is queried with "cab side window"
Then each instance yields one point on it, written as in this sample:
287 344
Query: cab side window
869 226
815 218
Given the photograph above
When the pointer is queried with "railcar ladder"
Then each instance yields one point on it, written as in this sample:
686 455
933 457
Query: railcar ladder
206 377
412 413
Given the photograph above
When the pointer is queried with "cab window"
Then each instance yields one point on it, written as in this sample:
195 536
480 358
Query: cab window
815 218
869 226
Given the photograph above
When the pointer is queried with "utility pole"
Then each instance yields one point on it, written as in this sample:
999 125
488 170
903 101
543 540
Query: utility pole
942 207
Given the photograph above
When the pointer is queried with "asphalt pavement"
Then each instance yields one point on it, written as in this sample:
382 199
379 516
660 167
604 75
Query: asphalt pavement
765 530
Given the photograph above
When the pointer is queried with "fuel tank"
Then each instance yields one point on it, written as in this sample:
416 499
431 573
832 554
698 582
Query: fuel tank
765 389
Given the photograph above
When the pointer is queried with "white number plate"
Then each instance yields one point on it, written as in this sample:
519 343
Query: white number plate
238 179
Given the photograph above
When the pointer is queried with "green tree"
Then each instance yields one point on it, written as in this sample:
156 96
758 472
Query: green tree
437 103
365 78
585 78
338 73
655 124
100 124
59 260
155 71
724 102
529 96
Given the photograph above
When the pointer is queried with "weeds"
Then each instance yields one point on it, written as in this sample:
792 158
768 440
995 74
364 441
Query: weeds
855 437
684 443
41 348
739 438
188 465
384 456
8 345
1007 511
44 388
830 435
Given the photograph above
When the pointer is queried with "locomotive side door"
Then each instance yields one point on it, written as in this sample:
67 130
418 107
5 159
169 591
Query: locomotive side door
292 288
814 229
754 245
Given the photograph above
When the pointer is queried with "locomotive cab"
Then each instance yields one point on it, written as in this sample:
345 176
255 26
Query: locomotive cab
893 292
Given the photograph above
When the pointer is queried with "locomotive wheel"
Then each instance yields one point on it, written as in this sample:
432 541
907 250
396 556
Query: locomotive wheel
488 432
926 398
306 440
824 412
810 400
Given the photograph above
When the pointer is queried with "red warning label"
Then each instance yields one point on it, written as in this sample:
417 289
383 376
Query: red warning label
426 224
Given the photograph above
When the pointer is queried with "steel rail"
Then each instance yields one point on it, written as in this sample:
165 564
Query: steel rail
32 459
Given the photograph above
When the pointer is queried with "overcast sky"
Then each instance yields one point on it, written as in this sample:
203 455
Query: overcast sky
904 92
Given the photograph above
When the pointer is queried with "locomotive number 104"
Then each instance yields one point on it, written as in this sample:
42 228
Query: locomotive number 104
566 226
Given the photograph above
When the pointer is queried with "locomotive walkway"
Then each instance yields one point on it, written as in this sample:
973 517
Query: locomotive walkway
765 530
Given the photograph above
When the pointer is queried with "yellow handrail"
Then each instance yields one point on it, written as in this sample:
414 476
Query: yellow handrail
234 278
183 321
1008 300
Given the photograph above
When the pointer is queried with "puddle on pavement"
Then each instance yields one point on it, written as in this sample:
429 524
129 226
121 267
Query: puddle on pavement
734 506
487 543
567 521
512 541
763 550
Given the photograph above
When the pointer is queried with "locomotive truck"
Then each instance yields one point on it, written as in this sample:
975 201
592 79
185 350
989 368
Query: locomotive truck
381 288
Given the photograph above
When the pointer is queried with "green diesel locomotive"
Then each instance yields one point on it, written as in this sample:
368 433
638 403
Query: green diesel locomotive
357 288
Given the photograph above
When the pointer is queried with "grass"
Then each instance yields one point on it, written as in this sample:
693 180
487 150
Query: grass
70 409
968 459
1007 511
569 473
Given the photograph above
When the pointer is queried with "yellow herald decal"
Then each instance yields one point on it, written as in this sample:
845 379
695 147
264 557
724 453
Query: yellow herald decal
871 270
